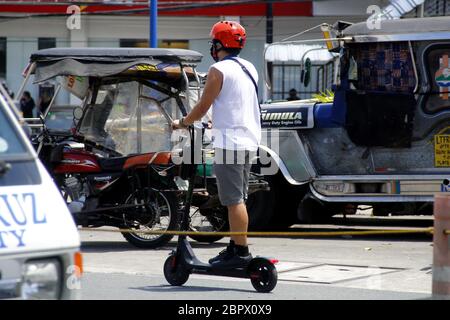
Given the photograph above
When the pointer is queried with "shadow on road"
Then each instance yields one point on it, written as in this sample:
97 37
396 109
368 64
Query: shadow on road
116 246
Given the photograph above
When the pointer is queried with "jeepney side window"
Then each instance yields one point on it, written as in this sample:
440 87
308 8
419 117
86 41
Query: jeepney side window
437 66
380 112
382 66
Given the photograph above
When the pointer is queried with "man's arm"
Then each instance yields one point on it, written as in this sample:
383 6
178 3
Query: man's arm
210 92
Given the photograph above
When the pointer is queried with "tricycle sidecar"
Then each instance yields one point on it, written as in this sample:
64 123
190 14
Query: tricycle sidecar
116 168
118 164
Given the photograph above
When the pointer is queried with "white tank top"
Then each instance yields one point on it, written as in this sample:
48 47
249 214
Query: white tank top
236 117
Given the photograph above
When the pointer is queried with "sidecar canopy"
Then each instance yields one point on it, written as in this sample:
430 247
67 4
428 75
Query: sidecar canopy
103 62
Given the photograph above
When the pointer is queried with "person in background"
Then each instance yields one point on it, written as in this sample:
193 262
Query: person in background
44 102
27 105
292 95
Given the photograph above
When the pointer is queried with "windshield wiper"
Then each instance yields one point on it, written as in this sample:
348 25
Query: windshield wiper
4 167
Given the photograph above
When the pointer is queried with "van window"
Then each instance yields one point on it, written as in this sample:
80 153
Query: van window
10 142
18 167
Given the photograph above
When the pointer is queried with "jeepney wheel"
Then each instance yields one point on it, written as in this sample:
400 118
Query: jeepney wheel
260 208
311 210
287 200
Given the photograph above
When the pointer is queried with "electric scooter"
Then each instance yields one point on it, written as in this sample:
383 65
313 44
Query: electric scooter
182 261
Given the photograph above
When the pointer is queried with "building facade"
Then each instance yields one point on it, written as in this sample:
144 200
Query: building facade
27 28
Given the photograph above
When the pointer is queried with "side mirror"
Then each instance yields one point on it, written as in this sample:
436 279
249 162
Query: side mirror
77 113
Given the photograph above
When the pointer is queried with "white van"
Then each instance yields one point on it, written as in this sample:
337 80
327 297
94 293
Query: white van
39 242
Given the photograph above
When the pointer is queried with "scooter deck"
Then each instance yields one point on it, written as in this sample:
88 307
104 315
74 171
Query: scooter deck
194 265
209 270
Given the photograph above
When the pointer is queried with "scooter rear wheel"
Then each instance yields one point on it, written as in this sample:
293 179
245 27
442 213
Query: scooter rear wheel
263 275
174 272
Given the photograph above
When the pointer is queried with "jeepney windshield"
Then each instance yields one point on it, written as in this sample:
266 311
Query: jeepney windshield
129 118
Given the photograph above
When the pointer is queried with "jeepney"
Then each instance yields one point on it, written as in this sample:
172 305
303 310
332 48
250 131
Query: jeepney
384 138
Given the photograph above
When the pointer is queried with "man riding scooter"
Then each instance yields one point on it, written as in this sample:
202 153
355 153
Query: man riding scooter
232 92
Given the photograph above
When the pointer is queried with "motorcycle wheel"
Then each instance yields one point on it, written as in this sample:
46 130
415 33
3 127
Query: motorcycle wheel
169 219
209 220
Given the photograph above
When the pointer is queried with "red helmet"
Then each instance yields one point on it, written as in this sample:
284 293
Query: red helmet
230 33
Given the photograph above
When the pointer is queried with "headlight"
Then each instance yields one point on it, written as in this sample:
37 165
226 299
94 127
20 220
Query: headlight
41 279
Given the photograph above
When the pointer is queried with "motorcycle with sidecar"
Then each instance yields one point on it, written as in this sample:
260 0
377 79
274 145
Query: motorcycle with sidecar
116 166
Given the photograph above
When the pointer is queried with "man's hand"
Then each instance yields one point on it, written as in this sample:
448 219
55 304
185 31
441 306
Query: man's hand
177 124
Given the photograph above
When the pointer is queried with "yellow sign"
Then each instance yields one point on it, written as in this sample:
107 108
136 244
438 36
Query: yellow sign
145 67
442 150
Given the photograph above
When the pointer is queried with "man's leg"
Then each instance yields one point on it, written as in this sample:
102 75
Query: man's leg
230 184
238 218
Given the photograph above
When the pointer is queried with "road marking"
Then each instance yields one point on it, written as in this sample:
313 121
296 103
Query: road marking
331 274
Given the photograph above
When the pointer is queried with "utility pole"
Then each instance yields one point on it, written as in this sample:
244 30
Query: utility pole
269 39
153 6
269 22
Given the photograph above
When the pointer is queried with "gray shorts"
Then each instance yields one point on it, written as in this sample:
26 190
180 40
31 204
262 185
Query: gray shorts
232 170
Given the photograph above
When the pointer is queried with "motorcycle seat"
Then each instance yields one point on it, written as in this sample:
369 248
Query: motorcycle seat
112 164
143 160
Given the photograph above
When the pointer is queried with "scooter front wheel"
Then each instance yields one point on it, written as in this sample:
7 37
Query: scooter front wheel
174 272
263 275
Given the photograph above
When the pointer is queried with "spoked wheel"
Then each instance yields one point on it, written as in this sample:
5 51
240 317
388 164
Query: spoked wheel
158 214
174 272
208 220
263 275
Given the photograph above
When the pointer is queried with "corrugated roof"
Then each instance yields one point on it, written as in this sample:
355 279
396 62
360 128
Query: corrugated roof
289 52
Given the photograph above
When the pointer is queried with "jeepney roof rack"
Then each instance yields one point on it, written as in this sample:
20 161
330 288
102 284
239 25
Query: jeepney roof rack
414 29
